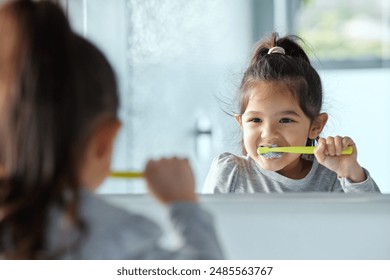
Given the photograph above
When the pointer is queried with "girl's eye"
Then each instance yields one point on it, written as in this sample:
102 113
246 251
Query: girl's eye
256 120
285 120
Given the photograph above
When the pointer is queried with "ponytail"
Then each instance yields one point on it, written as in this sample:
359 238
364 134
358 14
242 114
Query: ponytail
290 45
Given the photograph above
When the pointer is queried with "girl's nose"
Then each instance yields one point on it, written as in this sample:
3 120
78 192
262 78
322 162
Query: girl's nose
268 131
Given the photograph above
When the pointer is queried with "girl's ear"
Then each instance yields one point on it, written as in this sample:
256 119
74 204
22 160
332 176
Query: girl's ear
96 162
105 137
238 119
318 125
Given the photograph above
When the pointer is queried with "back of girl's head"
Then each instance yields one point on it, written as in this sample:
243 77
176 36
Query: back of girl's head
54 89
292 68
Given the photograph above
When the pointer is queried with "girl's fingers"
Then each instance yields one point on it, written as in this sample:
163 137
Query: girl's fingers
347 142
338 143
321 143
331 149
320 150
333 146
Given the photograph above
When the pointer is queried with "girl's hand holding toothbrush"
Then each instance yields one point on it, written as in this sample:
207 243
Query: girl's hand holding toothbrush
328 153
170 180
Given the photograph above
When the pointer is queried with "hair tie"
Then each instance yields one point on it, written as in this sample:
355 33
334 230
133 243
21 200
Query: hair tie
276 50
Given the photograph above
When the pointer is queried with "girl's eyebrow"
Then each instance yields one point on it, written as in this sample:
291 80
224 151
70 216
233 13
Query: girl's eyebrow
251 112
287 112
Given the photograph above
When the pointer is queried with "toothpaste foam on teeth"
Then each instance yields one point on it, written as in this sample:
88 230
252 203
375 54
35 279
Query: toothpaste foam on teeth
272 155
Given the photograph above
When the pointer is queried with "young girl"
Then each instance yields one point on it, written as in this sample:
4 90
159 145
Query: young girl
58 121
280 101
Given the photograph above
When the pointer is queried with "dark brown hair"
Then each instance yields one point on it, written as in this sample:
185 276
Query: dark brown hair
293 69
54 86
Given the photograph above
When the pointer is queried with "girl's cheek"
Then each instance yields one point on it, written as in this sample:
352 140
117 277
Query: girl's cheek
252 133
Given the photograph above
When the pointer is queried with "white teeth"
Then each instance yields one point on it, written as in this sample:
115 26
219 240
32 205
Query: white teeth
272 154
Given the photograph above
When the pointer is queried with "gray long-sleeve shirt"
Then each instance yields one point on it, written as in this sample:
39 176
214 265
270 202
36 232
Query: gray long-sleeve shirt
241 174
113 233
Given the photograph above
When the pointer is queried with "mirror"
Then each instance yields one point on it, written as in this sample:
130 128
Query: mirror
179 64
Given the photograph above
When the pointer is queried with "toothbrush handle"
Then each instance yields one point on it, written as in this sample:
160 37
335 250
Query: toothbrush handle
127 175
302 150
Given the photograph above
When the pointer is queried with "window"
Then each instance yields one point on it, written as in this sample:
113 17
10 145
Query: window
342 34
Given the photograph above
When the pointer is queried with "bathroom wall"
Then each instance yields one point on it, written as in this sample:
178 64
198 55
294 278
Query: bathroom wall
358 103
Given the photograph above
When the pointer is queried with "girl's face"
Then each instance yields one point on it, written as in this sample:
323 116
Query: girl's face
273 117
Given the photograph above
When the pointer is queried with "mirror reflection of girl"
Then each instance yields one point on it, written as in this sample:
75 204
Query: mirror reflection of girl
58 122
280 101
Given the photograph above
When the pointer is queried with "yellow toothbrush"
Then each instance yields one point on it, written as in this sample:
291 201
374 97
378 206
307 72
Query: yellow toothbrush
127 175
296 150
